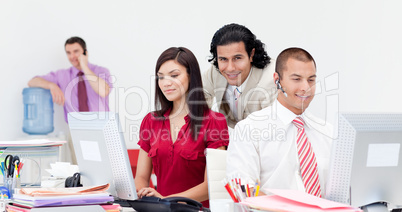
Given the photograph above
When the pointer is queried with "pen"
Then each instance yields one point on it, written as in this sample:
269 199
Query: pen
240 193
243 189
232 185
16 171
20 167
238 177
2 169
258 188
229 190
255 188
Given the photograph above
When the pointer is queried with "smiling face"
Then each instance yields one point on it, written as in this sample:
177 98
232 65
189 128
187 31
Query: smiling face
73 51
173 80
234 62
298 81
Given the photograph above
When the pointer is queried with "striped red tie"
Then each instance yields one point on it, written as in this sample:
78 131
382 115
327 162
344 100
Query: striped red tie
308 163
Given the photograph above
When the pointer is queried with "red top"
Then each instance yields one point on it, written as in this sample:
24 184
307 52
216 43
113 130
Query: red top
181 165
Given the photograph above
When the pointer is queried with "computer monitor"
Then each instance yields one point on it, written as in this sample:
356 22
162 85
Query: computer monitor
101 152
366 160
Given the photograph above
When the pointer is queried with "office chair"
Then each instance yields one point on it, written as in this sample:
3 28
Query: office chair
216 172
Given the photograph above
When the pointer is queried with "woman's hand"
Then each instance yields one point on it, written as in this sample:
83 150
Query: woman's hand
148 192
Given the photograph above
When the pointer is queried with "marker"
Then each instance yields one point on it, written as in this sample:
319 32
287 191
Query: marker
20 167
229 190
239 193
3 168
16 171
258 188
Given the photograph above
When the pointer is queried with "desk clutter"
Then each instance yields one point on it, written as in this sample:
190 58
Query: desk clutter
294 200
10 169
239 189
34 156
246 194
60 173
28 199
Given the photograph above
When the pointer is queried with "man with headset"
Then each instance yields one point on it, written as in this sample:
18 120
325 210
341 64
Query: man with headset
286 147
82 87
240 78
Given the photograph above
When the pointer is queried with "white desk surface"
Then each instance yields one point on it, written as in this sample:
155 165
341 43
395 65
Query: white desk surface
126 209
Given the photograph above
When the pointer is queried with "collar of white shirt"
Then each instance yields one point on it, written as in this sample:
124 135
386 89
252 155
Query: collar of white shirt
310 121
231 88
229 94
287 116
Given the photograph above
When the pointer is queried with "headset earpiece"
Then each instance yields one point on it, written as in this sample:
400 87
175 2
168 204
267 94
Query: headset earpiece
278 86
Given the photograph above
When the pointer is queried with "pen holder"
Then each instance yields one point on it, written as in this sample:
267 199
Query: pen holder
12 183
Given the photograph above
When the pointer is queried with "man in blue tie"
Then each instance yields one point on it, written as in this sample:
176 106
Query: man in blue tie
239 80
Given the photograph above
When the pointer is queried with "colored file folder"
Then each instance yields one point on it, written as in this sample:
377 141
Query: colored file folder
293 200
32 202
65 191
30 198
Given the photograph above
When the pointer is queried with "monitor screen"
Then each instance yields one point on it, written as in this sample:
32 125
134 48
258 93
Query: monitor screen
101 152
366 160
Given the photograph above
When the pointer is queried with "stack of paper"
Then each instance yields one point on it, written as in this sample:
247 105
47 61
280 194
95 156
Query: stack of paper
29 198
31 142
62 169
86 208
65 191
292 200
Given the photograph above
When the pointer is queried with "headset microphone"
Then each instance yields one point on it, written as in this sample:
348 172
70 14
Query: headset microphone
278 85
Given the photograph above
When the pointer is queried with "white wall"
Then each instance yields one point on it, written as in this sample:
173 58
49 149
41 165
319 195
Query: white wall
358 41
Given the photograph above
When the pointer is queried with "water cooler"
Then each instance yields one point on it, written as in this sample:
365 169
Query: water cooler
38 111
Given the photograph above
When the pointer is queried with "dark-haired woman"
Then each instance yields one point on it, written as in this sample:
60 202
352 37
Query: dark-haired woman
173 138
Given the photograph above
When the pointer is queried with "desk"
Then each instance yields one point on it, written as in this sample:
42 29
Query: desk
237 208
127 209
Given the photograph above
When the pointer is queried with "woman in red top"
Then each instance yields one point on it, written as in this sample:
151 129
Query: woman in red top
173 139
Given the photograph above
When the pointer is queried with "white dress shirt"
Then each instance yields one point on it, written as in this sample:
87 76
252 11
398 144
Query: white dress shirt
230 98
263 146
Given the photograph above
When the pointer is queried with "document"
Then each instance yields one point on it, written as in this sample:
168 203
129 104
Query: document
50 197
65 191
294 200
31 142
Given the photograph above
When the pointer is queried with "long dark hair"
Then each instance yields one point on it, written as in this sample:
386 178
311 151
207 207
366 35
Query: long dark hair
195 98
233 33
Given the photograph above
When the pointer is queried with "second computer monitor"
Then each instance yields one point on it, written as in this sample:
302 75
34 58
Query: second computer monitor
366 162
101 152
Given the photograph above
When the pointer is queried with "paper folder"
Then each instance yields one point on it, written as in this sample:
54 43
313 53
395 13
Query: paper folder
65 191
294 200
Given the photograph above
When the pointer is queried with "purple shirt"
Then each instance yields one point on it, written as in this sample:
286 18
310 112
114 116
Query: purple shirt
67 80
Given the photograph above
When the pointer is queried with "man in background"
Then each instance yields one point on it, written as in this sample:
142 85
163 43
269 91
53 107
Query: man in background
240 77
81 87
